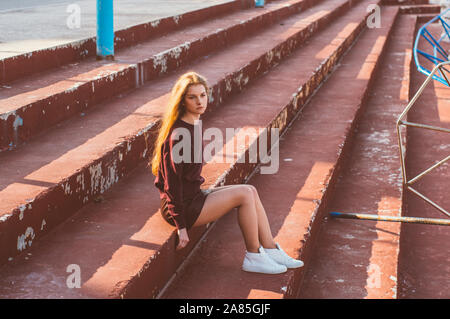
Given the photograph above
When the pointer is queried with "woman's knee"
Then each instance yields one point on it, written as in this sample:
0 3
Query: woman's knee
245 193
254 191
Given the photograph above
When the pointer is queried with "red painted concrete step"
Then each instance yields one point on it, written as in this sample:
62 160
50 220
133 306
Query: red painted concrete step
295 198
32 105
424 17
53 176
421 9
424 259
39 61
404 2
355 258
123 246
39 191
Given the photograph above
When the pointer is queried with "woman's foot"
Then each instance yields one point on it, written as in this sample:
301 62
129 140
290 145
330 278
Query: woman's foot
279 256
260 262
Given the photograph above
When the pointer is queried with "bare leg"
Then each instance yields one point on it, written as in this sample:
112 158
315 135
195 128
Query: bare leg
265 234
253 222
220 202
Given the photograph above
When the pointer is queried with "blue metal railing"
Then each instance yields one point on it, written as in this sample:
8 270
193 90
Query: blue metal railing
439 55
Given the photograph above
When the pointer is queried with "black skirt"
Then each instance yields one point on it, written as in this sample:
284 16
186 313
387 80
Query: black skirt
193 208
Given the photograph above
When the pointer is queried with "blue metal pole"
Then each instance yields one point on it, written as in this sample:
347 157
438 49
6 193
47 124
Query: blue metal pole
105 29
259 3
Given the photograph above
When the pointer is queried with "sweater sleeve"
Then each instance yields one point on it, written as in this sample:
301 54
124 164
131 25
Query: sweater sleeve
173 185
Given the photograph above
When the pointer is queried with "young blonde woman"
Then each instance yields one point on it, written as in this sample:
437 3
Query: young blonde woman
185 205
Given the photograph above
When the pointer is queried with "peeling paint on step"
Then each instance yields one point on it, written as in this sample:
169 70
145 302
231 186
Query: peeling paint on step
26 239
80 182
66 188
154 24
18 121
22 209
5 217
177 19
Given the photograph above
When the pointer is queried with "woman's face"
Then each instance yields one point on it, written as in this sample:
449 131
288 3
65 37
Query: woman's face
196 99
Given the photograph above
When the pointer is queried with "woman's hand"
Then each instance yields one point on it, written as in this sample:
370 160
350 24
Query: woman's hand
183 238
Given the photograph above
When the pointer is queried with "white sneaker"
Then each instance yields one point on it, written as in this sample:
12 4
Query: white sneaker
262 263
279 256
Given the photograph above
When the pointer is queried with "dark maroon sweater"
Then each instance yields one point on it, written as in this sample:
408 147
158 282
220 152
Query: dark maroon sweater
180 182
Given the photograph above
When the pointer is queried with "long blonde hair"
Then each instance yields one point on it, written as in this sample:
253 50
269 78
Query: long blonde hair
175 109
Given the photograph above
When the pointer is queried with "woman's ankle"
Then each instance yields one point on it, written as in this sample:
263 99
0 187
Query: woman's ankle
269 245
252 249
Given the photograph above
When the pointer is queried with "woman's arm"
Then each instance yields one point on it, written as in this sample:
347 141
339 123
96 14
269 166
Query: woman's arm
173 186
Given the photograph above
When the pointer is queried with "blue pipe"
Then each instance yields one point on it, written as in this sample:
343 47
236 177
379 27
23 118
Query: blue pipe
105 29
259 3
